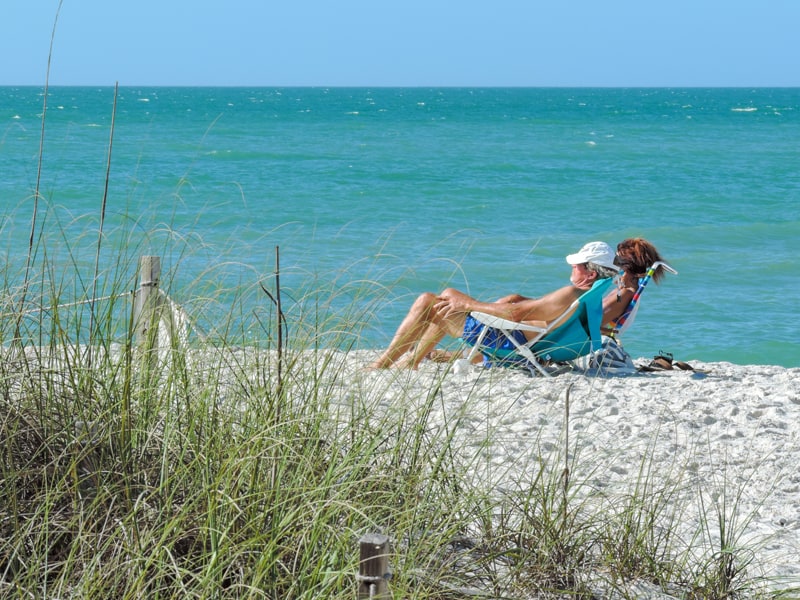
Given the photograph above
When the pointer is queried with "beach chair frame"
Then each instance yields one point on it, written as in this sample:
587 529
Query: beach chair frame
574 333
626 319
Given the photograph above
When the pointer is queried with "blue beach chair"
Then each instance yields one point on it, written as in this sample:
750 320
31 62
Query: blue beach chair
626 319
575 333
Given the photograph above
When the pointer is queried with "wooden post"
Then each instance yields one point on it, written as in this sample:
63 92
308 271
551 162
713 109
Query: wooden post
145 311
373 566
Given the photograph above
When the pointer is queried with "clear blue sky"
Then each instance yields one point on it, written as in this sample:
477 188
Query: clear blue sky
402 42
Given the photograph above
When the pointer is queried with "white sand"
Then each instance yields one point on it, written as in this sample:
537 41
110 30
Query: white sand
729 440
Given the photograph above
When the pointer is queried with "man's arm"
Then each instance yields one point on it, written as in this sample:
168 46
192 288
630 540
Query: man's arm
512 298
546 308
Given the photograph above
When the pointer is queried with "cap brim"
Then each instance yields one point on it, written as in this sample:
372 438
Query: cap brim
575 259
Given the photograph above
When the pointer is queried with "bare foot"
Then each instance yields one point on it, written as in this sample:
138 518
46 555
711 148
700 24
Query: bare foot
442 356
384 363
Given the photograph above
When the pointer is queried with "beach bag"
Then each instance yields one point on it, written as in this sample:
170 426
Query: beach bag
609 359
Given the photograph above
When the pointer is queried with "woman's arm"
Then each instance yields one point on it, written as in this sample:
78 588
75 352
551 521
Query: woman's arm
614 304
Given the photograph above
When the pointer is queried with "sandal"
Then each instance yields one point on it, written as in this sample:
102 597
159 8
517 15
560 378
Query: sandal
687 367
664 362
661 362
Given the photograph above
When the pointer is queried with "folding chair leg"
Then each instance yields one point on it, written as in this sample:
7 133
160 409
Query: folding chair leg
527 354
476 346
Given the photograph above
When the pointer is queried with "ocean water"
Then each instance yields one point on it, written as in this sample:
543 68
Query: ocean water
375 195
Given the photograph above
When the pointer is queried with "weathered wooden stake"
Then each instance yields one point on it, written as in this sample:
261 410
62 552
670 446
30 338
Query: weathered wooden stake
373 566
147 303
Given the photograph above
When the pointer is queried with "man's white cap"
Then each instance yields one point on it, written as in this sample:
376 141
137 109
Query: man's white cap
598 253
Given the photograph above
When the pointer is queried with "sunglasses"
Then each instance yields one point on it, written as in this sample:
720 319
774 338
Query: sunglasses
624 263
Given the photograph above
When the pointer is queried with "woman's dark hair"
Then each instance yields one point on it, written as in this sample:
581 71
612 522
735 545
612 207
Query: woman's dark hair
636 255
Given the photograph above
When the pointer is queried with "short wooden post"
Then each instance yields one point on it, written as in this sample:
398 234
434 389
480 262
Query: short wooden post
373 566
147 302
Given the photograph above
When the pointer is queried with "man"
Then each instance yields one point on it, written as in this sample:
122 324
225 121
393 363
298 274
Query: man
433 316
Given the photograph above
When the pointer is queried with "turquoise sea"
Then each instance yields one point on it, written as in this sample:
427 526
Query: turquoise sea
375 195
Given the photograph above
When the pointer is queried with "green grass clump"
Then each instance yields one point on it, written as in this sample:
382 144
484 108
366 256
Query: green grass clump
240 463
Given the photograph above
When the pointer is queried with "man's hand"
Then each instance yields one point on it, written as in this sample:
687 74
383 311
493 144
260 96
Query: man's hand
451 302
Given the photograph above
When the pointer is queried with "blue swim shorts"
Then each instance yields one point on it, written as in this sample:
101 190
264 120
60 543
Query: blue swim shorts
494 342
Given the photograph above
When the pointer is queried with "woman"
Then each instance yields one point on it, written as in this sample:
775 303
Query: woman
634 257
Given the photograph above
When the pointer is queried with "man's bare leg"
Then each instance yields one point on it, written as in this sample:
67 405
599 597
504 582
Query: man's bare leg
409 332
439 327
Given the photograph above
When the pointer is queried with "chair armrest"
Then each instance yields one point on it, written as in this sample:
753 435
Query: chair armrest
500 323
